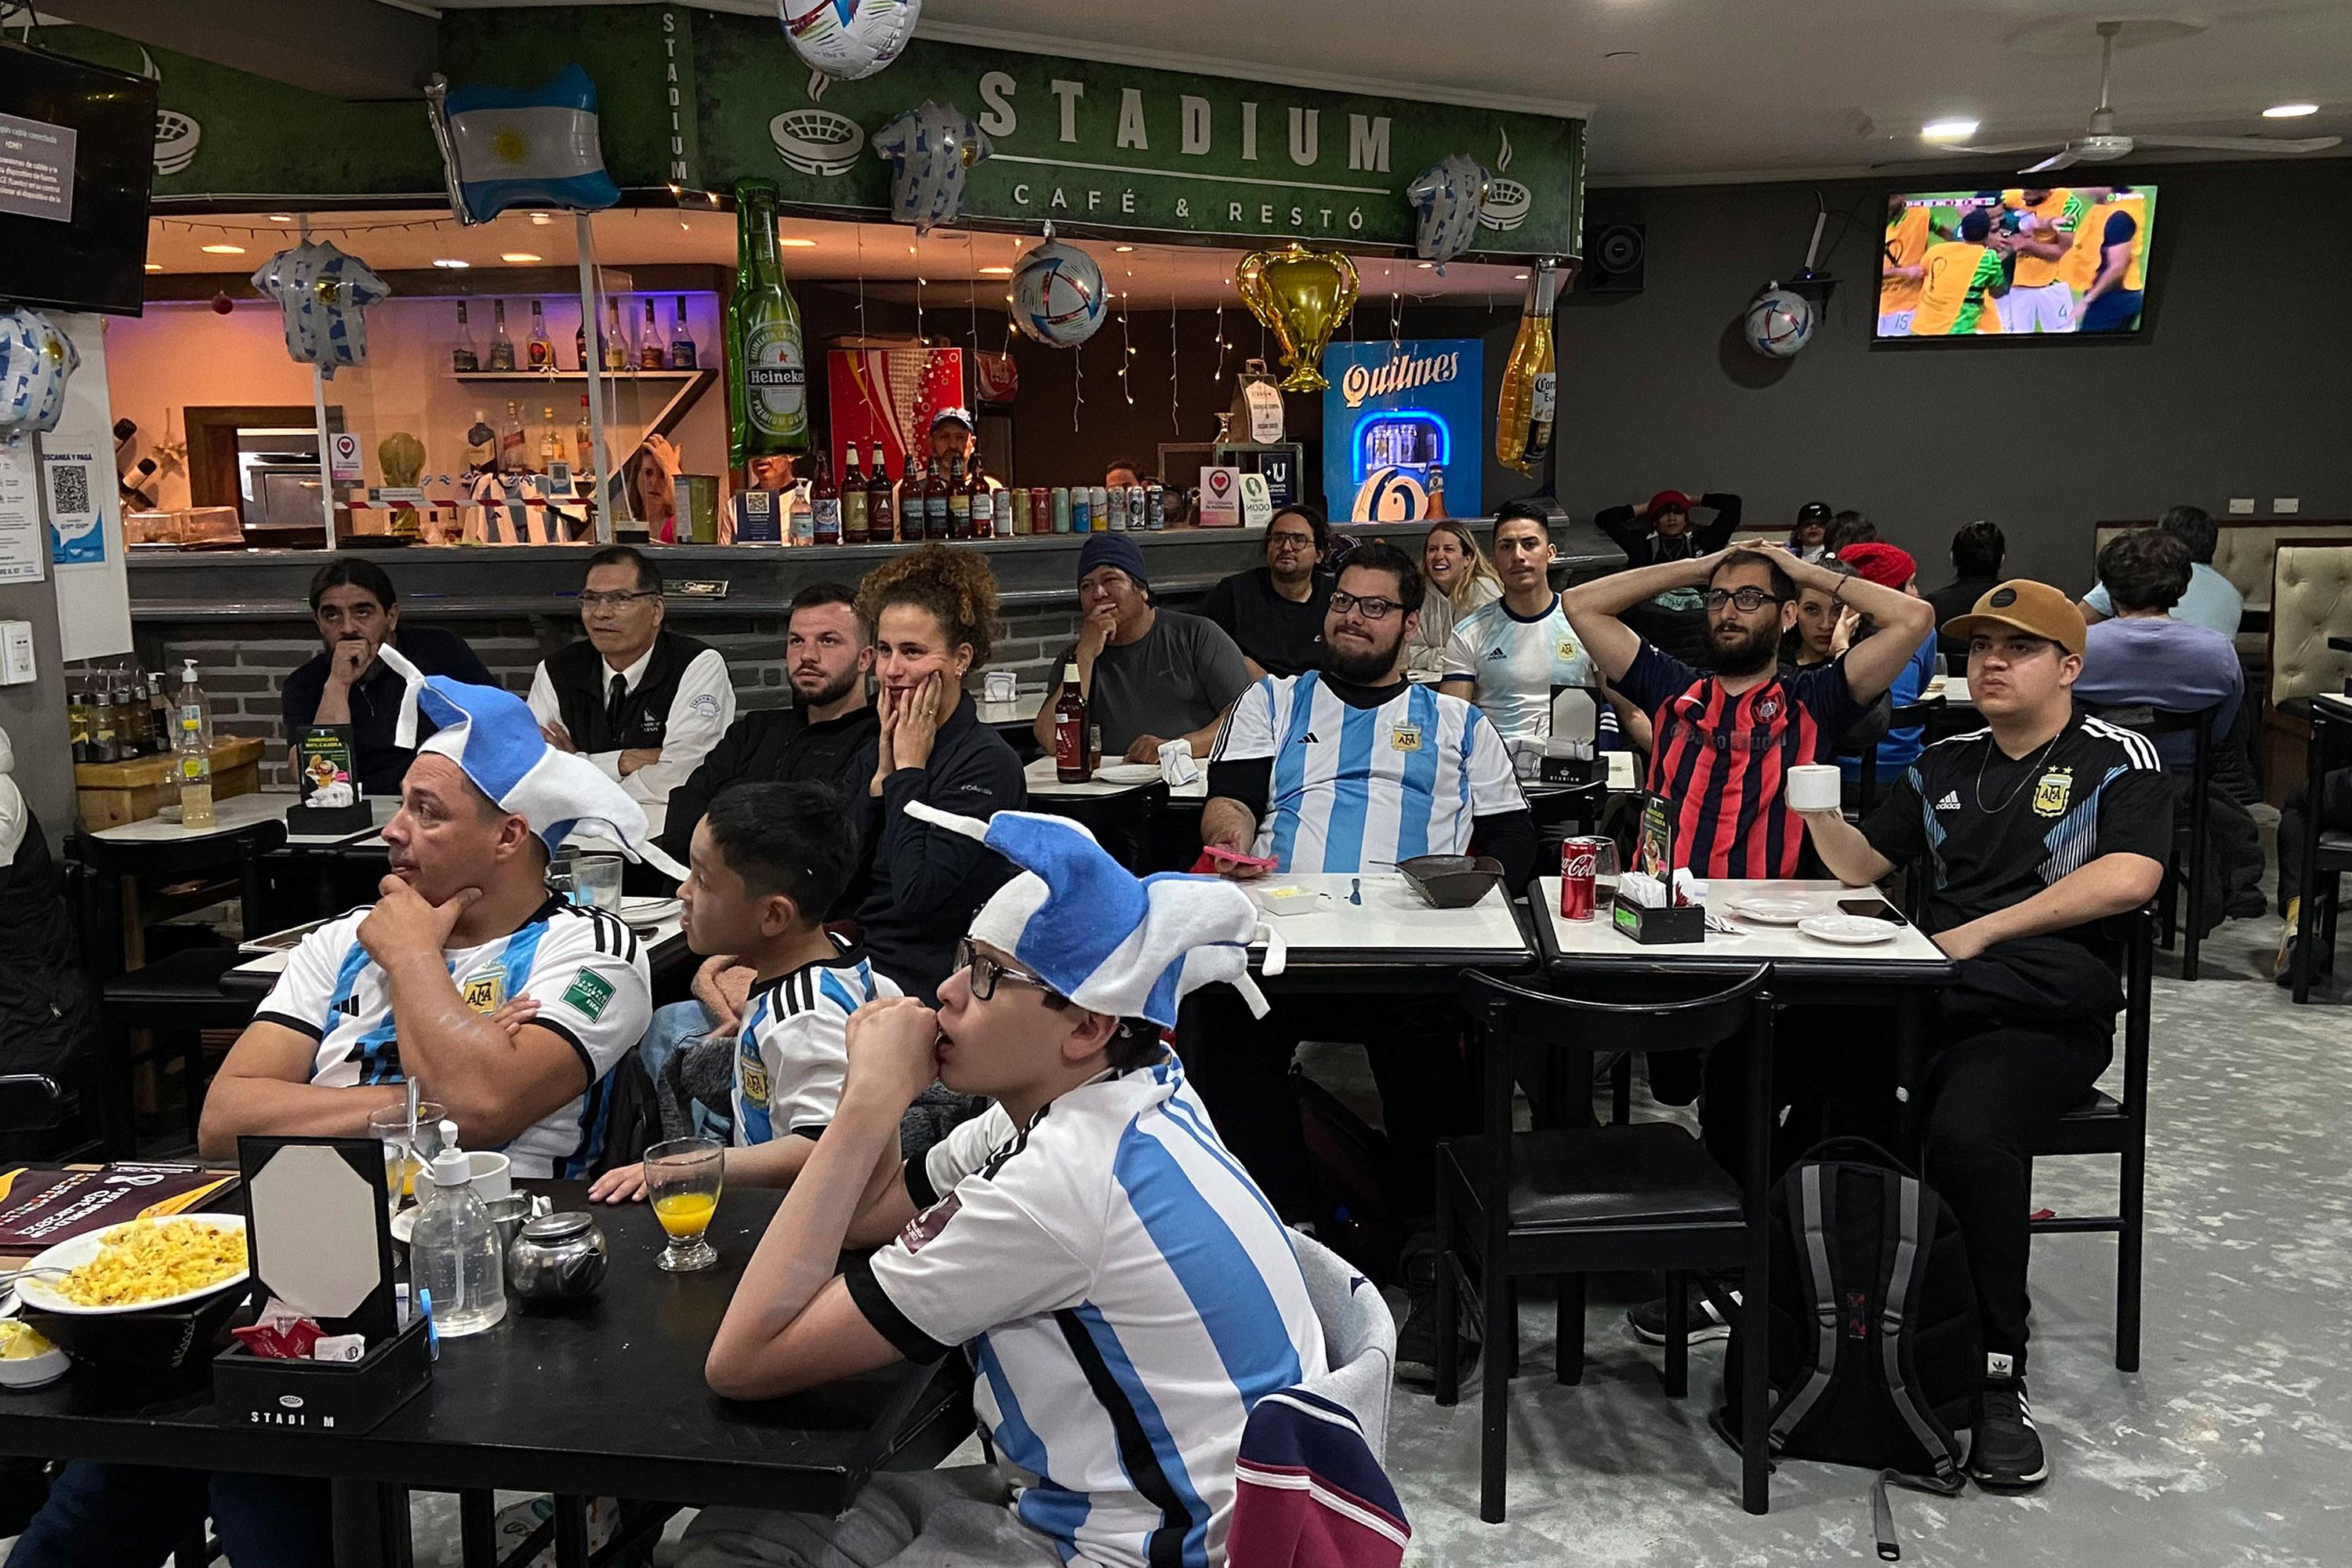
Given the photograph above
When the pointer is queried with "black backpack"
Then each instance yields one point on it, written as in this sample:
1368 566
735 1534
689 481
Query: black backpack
1874 1357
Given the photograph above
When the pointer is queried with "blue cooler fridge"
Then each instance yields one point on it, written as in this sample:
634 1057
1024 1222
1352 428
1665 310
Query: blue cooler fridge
1396 418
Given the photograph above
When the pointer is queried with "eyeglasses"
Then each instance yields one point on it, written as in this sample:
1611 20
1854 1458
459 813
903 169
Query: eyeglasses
1749 600
986 972
1290 541
1370 609
591 599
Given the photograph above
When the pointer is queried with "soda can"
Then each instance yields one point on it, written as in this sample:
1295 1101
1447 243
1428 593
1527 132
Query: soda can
1133 500
1155 505
1578 858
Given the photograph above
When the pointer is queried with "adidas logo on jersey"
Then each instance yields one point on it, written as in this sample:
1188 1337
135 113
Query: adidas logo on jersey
1498 653
1951 801
1309 739
349 1007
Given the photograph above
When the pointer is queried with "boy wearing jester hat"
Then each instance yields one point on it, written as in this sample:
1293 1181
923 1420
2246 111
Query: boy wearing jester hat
506 1004
1124 1290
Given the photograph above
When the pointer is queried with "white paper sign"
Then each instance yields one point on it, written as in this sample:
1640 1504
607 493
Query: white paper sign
93 592
343 457
1264 412
24 546
77 520
1258 501
1221 498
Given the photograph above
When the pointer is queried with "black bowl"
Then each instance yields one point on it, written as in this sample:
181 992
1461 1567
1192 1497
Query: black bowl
1452 881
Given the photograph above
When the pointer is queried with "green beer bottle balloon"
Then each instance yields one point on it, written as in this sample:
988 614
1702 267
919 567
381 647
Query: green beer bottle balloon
767 371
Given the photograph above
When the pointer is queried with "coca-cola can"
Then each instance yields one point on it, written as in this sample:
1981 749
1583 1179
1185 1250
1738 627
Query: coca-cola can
1578 858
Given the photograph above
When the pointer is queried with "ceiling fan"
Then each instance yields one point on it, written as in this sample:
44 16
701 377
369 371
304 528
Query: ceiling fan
2101 142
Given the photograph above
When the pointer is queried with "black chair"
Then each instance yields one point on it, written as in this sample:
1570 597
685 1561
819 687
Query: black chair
2327 855
1919 715
2192 831
1583 1200
2103 1124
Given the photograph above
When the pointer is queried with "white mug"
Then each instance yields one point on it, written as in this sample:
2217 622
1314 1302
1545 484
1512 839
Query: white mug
492 1174
1815 787
998 686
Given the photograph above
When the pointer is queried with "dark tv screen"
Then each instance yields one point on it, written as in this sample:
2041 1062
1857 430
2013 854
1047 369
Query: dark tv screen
76 166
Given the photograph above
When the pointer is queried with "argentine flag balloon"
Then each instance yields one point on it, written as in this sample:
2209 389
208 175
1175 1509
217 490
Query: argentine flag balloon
35 358
323 295
931 149
848 38
520 147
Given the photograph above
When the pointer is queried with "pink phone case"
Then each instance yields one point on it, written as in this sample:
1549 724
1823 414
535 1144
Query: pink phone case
1234 857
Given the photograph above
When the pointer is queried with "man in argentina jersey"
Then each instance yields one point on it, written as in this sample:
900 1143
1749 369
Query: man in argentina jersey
406 987
1509 656
2035 833
1123 1289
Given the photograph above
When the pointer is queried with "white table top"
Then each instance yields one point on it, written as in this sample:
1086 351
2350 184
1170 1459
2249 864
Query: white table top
1598 940
1393 924
1015 714
1952 689
1043 785
272 964
240 812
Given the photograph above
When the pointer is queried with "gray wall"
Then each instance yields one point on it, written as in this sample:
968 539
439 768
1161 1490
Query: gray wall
2242 387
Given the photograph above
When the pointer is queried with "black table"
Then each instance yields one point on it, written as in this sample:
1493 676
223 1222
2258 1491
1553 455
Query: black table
607 1401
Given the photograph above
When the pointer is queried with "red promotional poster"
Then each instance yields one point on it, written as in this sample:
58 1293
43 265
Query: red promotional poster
40 1208
887 394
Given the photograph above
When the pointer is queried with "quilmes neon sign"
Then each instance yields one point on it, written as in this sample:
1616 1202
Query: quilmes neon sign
1404 372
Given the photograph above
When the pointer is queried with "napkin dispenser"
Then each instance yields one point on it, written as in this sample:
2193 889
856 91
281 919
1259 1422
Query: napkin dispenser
317 1229
1646 911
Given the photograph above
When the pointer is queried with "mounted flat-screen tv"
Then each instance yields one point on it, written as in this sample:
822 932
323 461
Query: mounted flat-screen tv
2062 261
77 162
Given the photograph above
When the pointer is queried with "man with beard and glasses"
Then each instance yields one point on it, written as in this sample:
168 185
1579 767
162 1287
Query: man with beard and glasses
1352 768
828 655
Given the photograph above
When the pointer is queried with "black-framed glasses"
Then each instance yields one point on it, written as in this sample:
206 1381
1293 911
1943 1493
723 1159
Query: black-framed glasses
986 972
1749 600
591 598
1290 541
1370 609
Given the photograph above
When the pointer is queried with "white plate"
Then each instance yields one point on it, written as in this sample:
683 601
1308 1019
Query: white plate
38 1295
1771 911
1129 773
1849 930
648 911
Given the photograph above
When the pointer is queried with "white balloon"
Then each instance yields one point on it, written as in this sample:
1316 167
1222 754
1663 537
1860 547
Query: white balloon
323 295
36 360
1779 322
848 38
931 149
1057 295
1449 194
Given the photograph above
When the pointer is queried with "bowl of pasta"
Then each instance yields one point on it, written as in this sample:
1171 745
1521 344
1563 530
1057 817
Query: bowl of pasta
139 1265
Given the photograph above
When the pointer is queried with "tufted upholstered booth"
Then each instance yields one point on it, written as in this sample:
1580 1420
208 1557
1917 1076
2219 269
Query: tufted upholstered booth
2311 601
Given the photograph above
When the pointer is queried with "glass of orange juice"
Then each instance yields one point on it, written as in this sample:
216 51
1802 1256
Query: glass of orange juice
683 1178
402 1164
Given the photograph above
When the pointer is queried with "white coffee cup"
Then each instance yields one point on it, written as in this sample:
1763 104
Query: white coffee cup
492 1173
997 686
1815 787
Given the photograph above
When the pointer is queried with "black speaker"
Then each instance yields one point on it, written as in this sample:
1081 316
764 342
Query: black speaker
1613 260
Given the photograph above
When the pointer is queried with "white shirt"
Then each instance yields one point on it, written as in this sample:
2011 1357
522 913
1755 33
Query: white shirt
1516 664
1425 654
699 712
583 966
1127 1294
1353 786
791 1059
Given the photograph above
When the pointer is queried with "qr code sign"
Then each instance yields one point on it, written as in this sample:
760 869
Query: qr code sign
69 489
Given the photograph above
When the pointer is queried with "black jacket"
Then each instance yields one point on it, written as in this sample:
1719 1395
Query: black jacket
375 702
775 745
926 883
1643 548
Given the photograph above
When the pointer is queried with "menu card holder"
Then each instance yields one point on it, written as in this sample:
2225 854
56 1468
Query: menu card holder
330 799
1653 856
318 1238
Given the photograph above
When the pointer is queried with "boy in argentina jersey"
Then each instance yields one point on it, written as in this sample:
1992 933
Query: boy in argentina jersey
766 861
1124 1290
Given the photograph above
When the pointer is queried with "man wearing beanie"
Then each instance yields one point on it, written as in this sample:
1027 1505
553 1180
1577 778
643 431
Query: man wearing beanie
1661 528
1890 566
1126 1291
1150 675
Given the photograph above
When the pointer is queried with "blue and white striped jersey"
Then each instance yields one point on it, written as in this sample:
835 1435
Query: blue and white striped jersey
1127 1295
1353 787
789 1057
583 966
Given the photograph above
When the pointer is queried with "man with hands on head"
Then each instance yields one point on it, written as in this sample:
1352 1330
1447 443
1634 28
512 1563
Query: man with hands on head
2035 833
1150 675
1128 1293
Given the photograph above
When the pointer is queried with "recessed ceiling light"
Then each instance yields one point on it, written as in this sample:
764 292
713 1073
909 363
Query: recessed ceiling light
798 244
281 218
1518 276
2289 111
224 250
451 262
1122 249
154 266
996 272
516 256
1948 130
543 219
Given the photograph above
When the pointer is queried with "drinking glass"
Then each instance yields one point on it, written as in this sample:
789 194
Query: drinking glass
1604 880
580 878
683 1178
402 1163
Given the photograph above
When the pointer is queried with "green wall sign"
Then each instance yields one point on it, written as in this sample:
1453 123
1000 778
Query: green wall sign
701 99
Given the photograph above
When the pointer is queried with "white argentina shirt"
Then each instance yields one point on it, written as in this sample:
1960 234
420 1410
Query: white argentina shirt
790 1055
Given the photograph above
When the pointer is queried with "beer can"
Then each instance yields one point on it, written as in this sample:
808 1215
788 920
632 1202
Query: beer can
1155 505
1578 859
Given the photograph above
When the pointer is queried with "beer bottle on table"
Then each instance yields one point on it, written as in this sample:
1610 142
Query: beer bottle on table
853 497
959 502
767 371
881 506
824 503
1070 726
936 511
991 518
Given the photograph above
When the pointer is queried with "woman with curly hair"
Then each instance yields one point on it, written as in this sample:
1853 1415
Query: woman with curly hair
931 610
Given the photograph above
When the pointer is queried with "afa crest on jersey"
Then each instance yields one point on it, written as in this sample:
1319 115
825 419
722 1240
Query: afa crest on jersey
2049 796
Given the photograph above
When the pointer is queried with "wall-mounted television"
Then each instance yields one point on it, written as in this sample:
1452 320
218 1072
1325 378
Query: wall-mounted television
77 163
2061 261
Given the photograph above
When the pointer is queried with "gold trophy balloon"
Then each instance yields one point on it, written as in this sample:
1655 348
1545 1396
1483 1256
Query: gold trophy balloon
1302 295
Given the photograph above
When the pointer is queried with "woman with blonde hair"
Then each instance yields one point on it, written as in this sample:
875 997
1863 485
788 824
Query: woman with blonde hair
1460 579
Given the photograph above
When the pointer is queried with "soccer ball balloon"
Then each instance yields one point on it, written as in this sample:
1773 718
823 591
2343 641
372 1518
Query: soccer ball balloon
1779 322
848 38
1057 295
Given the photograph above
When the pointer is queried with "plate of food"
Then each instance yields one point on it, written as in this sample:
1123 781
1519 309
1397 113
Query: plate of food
140 1265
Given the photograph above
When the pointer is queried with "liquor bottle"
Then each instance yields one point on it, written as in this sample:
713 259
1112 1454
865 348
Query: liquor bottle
767 370
985 507
1523 413
79 725
538 351
854 530
1436 491
551 445
502 345
1070 728
649 346
583 445
580 343
681 342
463 358
881 506
959 502
158 713
935 512
615 346
193 748
513 457
481 445
824 502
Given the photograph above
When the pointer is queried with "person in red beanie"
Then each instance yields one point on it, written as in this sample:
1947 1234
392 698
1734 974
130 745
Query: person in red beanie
1890 566
1662 529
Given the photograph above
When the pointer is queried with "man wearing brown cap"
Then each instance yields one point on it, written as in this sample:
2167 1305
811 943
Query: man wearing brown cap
2036 832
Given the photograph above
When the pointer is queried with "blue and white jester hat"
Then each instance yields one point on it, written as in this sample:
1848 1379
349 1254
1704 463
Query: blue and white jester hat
494 736
1087 927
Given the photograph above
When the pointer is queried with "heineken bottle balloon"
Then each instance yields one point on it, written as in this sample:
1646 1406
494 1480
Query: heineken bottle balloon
767 371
